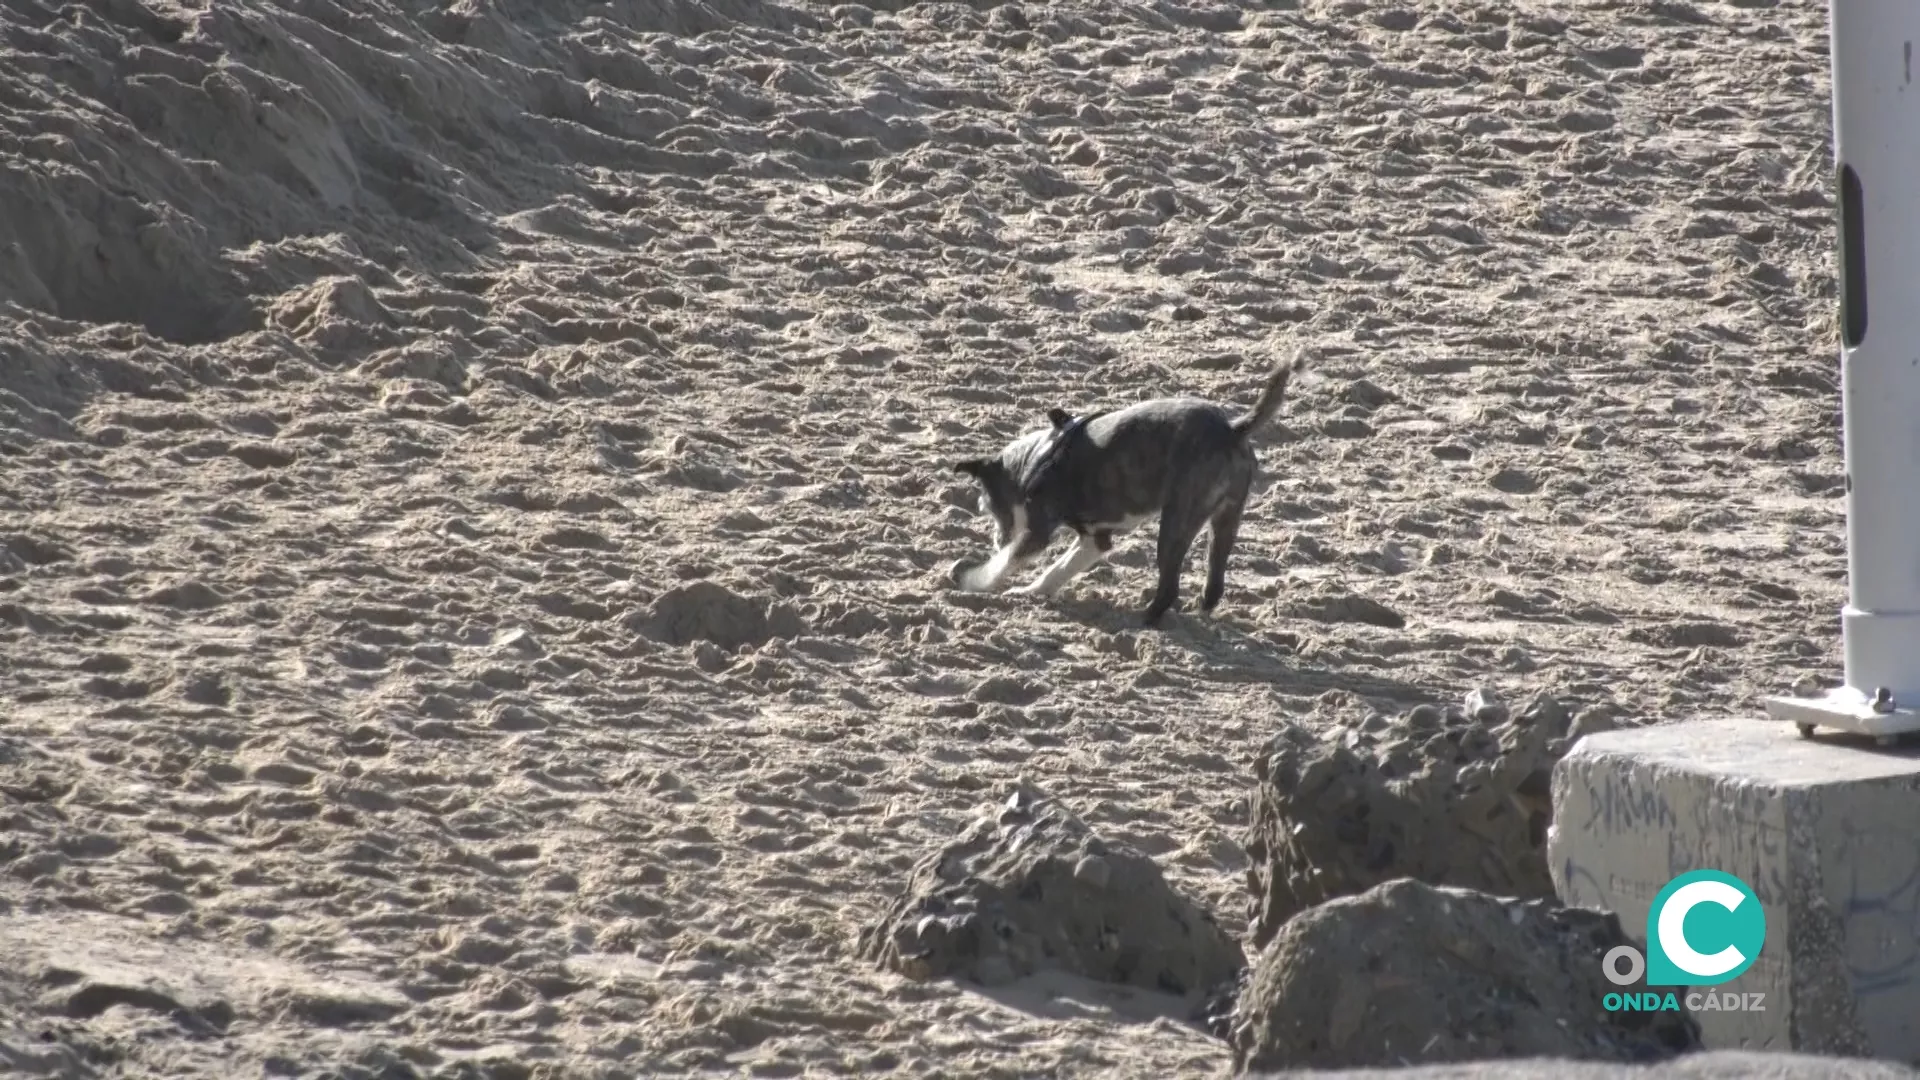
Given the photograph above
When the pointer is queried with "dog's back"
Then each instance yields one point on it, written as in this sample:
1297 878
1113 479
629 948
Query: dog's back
1195 423
1143 450
1166 418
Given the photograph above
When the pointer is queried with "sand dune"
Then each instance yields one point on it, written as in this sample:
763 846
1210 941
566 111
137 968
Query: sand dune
473 512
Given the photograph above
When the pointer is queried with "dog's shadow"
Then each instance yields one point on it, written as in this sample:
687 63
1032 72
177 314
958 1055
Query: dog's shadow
1227 651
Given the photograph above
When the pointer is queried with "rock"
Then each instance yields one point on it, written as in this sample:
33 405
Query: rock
1408 973
1590 722
1485 706
1439 795
1029 887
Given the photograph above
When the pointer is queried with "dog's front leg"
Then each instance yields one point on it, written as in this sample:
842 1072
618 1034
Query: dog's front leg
1083 554
992 574
1025 542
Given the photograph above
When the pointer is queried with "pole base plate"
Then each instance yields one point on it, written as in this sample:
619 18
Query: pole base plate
1847 709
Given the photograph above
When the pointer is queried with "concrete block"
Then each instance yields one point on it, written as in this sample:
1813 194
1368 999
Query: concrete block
1827 833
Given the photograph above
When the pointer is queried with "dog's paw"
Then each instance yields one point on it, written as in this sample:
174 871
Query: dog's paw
967 576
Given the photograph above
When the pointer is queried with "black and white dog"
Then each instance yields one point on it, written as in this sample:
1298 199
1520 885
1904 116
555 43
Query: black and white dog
1183 461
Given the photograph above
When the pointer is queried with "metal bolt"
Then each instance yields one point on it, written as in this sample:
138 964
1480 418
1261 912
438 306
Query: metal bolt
1883 700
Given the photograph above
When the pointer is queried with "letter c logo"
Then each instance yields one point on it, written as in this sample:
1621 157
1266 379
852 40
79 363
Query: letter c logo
1710 908
1673 928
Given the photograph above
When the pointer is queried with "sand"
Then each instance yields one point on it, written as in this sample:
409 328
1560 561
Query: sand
473 505
1719 1065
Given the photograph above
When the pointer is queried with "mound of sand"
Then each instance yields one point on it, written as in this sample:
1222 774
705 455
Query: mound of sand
1029 888
1411 973
1459 795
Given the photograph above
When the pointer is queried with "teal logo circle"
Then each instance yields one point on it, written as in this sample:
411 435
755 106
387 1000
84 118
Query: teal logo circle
1705 928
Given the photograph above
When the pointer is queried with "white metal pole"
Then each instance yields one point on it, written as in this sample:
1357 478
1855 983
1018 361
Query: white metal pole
1876 130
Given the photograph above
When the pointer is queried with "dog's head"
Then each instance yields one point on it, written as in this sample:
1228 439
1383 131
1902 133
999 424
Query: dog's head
999 494
1004 479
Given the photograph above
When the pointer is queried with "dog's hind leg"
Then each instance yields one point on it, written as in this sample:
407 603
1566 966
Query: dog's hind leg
1178 528
1084 553
1226 526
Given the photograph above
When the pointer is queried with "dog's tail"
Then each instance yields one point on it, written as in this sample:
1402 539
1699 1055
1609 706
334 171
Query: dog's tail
1271 397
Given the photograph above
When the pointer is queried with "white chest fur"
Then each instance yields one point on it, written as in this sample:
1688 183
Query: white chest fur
1123 526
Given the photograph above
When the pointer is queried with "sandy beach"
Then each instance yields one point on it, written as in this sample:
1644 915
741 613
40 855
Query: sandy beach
475 490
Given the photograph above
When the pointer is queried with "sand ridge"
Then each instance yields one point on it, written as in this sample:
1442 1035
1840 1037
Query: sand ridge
473 506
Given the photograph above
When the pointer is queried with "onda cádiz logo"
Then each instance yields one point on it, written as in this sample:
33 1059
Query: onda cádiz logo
1705 928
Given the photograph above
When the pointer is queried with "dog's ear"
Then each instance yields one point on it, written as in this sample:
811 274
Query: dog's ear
974 467
1059 418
